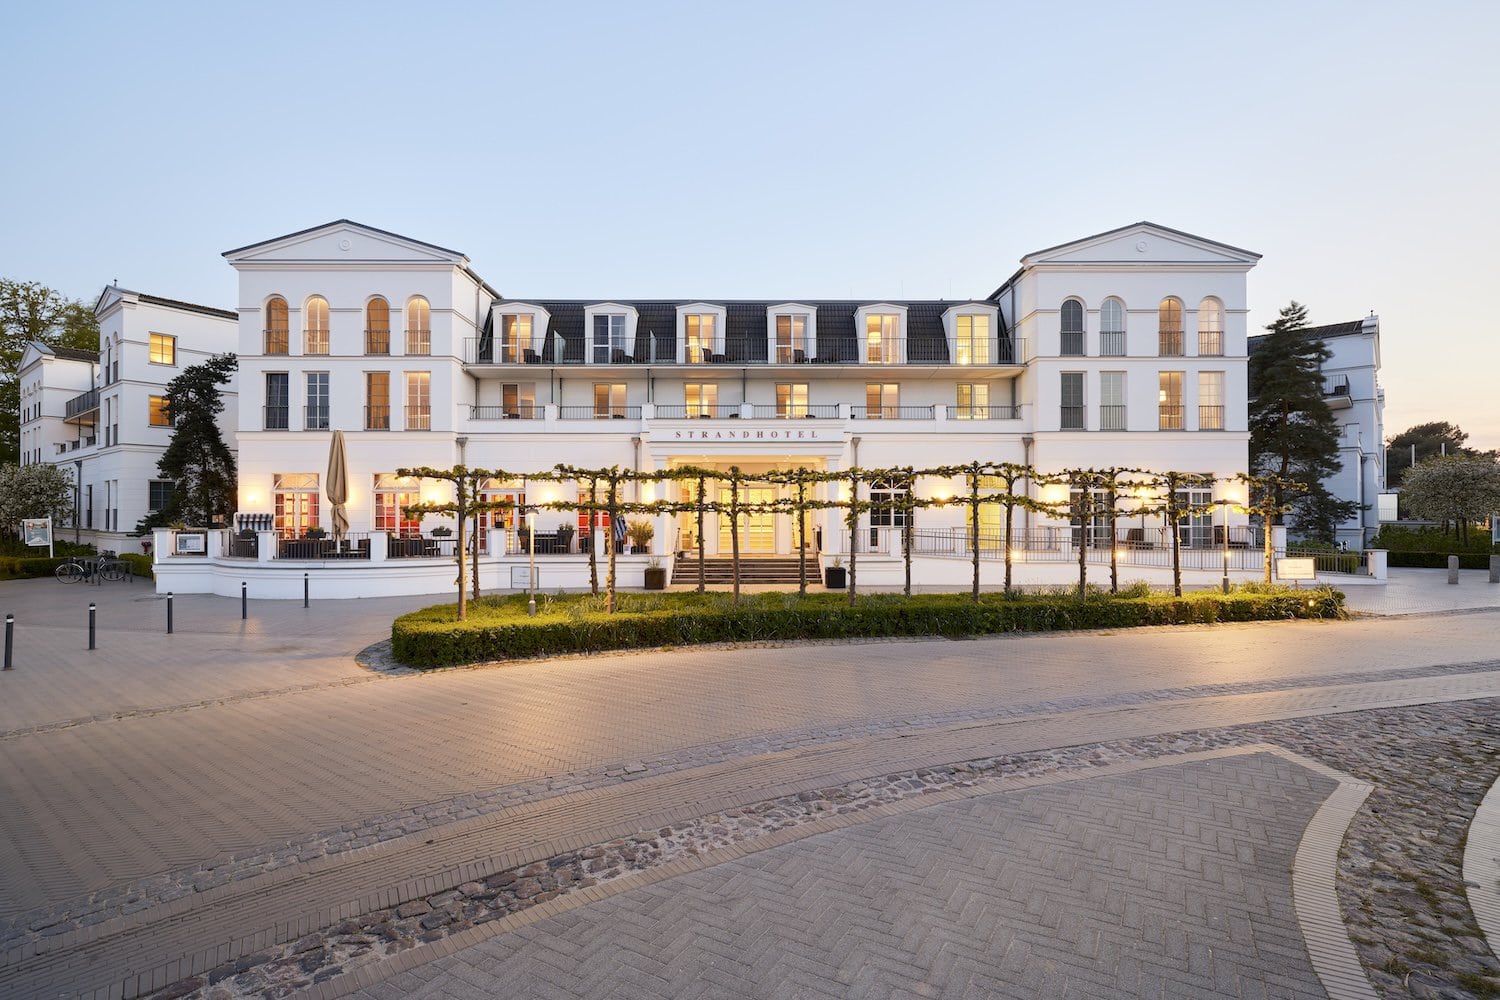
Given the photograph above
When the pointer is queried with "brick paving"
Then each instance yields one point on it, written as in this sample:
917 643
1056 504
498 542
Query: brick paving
245 753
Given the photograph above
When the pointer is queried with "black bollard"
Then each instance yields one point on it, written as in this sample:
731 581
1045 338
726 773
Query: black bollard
244 602
10 630
91 625
169 612
304 590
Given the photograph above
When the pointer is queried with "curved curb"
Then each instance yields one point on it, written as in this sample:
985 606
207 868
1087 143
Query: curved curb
1314 874
1482 867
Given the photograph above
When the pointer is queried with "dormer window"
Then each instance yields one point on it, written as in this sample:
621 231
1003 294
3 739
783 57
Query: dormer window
608 344
970 330
698 331
791 339
791 333
972 341
515 338
882 339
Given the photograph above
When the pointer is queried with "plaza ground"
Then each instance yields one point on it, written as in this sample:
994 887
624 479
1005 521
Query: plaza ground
181 801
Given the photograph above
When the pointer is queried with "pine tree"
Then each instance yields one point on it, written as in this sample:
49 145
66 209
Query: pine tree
197 460
1293 434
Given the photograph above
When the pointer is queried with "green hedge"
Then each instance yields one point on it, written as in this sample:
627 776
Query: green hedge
1429 540
27 568
140 565
1436 560
498 629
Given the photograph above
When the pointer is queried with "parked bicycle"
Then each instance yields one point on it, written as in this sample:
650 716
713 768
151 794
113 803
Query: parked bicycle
101 570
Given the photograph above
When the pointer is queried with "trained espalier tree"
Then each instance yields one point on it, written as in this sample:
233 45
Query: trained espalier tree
1293 434
1173 509
466 484
1269 498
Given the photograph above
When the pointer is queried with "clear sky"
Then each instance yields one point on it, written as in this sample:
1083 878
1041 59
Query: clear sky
780 150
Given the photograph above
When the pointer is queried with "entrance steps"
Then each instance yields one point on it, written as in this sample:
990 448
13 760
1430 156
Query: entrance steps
718 571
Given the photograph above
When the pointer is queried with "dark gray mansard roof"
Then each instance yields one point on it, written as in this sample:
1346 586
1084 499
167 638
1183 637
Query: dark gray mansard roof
745 335
1352 328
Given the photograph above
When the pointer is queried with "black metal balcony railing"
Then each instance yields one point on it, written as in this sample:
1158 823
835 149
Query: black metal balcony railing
698 411
984 412
1111 418
419 418
1072 418
378 341
1169 416
276 418
1169 343
419 342
315 418
278 341
316 342
1210 418
1338 385
516 411
1210 343
599 412
1112 344
662 349
80 404
378 418
1072 343
892 412
796 411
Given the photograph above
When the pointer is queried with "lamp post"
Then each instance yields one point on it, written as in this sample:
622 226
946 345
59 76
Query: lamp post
531 576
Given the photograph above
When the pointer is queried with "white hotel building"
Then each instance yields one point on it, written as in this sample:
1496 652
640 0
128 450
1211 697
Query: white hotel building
1127 348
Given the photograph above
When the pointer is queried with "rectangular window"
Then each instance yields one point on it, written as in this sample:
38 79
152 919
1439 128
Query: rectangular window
609 340
1169 401
1111 401
159 495
702 399
1072 401
515 338
609 400
163 349
419 401
791 399
973 341
159 415
973 400
393 494
882 400
518 400
278 392
699 337
316 411
1210 401
882 339
791 339
377 401
295 500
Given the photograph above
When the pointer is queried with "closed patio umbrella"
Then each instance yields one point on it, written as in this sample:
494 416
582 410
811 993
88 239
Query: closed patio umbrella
338 484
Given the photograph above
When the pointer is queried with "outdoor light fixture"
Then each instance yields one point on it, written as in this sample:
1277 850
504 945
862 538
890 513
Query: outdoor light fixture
531 575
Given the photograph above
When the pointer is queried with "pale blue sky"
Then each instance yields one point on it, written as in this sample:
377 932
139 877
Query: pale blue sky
780 150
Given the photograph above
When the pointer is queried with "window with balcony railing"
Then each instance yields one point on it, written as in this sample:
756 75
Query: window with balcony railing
1169 328
1169 401
1111 417
1072 401
1112 328
1072 328
1210 328
377 418
1170 416
278 326
315 325
418 326
1210 418
378 326
419 418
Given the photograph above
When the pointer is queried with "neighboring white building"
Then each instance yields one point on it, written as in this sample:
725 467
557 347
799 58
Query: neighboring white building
102 415
1351 388
1123 349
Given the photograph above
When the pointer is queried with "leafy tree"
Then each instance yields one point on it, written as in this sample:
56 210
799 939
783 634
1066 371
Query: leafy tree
1457 488
32 311
39 490
1431 440
1293 434
197 460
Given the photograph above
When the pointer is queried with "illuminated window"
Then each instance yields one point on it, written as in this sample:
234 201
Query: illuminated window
699 335
159 415
973 400
702 399
515 338
1169 401
1112 328
1210 328
418 326
973 340
791 399
278 326
882 399
609 399
315 325
294 498
163 349
419 401
393 494
882 339
791 339
1072 328
1169 328
378 326
377 401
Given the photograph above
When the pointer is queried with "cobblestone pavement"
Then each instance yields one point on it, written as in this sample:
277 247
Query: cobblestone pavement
264 786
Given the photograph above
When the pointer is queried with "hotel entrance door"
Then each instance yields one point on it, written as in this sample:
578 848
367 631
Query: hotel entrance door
757 530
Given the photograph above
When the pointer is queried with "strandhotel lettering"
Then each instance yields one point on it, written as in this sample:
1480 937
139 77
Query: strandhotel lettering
746 435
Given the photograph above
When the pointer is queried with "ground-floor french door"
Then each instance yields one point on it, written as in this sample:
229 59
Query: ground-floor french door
757 530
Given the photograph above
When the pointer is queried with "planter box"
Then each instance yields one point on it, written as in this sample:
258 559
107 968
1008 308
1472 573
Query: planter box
835 577
656 578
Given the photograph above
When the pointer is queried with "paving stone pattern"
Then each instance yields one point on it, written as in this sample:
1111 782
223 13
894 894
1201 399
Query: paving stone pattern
1166 882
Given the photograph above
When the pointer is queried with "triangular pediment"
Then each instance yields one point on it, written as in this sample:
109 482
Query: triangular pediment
342 242
111 295
1142 243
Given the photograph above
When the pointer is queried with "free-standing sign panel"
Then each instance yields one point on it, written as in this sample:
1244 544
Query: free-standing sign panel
1297 568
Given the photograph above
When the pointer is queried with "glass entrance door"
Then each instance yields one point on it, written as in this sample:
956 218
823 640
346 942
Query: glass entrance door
757 530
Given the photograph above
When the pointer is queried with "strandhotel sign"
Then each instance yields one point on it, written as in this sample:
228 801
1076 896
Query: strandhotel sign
750 435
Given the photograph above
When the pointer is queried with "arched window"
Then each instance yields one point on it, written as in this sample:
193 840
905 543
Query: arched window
1072 328
315 325
418 326
1112 328
1169 327
1210 327
278 328
378 326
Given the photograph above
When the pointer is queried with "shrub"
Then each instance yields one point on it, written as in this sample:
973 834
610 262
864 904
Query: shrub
140 565
499 629
1436 560
1395 540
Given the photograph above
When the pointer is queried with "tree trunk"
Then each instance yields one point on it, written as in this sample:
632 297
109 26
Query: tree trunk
1114 548
906 540
702 489
801 536
851 521
1010 520
1270 547
1082 507
461 513
734 529
609 545
1176 540
593 529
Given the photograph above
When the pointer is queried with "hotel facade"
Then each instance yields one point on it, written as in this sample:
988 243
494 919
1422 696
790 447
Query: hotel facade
1123 349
